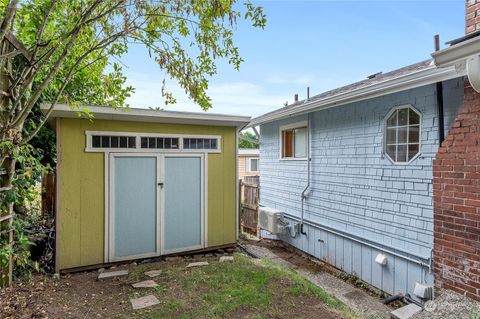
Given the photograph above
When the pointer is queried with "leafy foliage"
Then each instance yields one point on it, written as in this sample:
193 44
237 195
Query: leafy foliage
24 194
248 140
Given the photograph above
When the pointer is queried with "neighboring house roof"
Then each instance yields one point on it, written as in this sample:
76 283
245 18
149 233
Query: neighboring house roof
405 78
248 152
148 115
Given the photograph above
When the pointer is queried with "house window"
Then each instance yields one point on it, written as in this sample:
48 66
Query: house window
402 140
107 141
253 164
294 141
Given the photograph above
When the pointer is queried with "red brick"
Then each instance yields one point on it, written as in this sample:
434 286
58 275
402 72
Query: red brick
456 197
474 203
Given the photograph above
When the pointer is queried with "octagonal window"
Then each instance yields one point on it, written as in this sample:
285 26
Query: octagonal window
402 140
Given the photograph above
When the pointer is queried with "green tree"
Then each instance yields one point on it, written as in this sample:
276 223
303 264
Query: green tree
70 43
247 140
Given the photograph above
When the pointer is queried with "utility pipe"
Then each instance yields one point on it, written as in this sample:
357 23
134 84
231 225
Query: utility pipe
304 196
363 242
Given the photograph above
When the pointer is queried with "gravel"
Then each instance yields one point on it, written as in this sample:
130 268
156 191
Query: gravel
450 305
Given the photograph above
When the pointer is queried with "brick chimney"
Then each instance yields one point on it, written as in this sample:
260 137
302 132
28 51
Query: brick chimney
473 16
456 192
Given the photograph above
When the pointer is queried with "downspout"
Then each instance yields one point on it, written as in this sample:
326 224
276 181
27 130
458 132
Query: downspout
304 192
439 91
254 128
441 117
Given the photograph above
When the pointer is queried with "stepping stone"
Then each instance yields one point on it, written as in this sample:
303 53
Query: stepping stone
153 273
111 274
226 258
197 264
144 302
406 312
145 284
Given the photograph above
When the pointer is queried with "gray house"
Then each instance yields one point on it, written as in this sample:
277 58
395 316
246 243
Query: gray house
351 169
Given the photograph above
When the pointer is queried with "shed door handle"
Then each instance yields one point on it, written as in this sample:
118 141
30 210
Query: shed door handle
160 184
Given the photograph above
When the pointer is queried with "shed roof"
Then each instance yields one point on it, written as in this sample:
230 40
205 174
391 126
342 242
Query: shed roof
148 115
415 75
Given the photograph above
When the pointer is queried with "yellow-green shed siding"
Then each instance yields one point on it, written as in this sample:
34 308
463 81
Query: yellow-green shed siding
81 187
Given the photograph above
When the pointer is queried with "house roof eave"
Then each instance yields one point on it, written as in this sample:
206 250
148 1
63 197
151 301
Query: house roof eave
419 78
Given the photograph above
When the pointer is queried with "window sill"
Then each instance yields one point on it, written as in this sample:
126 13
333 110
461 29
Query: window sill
294 159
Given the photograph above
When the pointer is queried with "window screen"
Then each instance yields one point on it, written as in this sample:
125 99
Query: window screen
403 135
107 141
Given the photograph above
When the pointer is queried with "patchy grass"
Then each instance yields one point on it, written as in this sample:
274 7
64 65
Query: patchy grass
242 289
239 289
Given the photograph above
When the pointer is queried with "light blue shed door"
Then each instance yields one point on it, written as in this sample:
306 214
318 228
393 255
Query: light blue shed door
183 200
135 206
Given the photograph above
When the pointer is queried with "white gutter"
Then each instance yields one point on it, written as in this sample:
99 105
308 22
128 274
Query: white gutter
457 53
401 83
463 56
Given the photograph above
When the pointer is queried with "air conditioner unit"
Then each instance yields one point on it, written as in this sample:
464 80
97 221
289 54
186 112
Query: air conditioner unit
270 219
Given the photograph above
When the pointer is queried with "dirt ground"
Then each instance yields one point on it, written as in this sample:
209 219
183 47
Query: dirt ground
241 289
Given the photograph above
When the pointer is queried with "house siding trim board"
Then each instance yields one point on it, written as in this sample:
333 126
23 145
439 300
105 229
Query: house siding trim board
356 193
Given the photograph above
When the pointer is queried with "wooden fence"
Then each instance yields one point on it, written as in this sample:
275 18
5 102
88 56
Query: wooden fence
48 193
249 198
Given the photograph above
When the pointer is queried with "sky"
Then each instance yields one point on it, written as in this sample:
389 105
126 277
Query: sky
316 44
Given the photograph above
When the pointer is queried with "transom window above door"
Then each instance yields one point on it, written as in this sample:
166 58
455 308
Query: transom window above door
294 141
402 134
151 142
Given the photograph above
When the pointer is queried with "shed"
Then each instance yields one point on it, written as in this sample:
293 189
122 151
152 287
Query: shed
141 183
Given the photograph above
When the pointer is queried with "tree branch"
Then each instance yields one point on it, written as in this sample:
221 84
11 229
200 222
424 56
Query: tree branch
42 29
8 18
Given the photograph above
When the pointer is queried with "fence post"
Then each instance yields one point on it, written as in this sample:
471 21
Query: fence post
239 221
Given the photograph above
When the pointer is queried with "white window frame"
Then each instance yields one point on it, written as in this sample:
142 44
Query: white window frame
138 136
292 127
394 109
249 165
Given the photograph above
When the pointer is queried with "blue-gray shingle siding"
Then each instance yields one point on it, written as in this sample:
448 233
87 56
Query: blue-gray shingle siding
357 194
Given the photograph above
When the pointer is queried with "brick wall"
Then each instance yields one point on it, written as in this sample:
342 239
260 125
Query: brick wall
456 184
473 16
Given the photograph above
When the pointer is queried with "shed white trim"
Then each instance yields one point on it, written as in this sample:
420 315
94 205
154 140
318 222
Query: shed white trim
148 115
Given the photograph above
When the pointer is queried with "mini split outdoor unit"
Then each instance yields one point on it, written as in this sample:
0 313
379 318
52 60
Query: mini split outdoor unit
271 220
